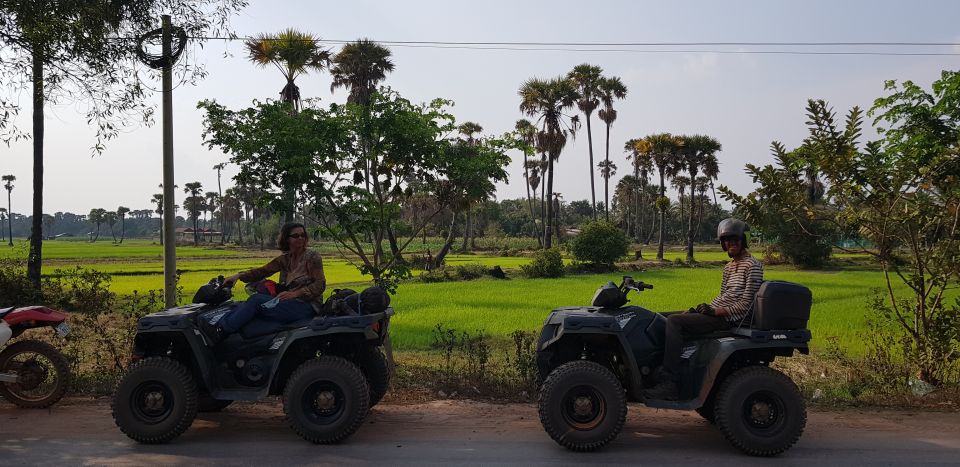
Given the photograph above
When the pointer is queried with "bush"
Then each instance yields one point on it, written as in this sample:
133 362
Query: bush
546 263
600 242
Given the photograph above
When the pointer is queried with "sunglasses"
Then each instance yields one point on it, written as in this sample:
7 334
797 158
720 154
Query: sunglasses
297 235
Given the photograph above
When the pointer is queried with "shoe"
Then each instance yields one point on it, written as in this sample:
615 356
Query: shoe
214 333
666 390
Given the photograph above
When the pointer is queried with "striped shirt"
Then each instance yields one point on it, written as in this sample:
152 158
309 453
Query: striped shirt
741 280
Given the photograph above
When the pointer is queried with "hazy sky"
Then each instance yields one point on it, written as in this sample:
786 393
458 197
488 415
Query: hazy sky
743 100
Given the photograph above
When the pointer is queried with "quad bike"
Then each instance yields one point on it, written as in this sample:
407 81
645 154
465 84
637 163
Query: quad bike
596 358
33 374
329 369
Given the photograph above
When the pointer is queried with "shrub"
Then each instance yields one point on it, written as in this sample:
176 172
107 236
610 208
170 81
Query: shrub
600 242
546 263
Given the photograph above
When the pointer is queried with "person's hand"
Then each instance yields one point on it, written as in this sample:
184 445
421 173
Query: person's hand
691 310
228 282
288 295
705 309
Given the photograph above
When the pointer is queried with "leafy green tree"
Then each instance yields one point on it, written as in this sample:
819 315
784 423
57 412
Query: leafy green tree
526 133
610 89
587 79
110 218
600 243
640 157
122 214
8 185
548 101
70 49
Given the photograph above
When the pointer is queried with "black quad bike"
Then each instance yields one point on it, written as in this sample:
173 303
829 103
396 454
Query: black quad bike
329 369
596 358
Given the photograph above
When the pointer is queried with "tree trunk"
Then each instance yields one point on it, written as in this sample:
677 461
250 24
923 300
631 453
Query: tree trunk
123 230
394 247
663 212
593 191
35 257
606 180
690 223
467 224
161 229
9 218
548 231
438 260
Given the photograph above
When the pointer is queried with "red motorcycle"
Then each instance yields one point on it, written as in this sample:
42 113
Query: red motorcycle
33 374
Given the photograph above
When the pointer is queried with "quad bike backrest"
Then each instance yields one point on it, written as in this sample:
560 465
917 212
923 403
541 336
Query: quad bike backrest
781 305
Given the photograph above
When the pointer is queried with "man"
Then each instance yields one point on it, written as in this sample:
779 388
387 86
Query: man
742 277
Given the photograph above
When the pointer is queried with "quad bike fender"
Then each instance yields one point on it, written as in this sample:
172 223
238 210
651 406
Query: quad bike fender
188 340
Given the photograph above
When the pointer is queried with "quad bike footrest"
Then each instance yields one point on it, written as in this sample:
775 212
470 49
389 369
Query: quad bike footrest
799 336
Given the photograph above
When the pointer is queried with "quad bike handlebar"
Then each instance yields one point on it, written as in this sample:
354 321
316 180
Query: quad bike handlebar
629 283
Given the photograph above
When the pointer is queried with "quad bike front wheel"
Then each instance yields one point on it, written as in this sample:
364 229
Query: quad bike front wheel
760 411
326 399
375 368
43 374
582 405
156 401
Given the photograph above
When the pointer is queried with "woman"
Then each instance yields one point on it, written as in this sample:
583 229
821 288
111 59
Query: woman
301 278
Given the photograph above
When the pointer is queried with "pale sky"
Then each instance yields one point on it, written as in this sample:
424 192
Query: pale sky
743 100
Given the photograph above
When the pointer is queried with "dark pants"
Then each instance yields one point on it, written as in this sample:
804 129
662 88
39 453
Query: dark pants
287 311
682 325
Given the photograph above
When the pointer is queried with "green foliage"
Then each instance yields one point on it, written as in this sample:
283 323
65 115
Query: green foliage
600 243
546 264
461 272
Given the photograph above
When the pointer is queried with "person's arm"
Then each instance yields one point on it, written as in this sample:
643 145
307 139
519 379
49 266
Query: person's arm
255 274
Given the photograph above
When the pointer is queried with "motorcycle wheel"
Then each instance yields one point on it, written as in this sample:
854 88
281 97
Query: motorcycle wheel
326 400
374 367
582 405
156 400
43 371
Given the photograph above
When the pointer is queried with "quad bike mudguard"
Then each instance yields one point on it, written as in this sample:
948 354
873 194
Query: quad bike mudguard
178 324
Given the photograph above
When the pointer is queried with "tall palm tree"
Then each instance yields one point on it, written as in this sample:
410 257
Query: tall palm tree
680 183
639 154
527 133
359 67
294 53
664 150
157 199
219 168
3 217
699 152
587 79
194 204
122 214
547 101
97 216
8 185
607 170
469 129
610 89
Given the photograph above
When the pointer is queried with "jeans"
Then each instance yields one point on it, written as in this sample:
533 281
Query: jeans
287 311
686 324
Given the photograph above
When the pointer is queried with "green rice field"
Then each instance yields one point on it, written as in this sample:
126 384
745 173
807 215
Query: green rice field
496 307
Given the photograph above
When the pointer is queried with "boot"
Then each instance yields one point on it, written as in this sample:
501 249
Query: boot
666 388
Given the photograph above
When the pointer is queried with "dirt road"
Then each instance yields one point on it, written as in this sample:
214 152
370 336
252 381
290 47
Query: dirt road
81 432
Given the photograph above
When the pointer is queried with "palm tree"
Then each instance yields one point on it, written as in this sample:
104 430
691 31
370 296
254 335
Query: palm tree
194 204
211 200
639 154
3 217
680 183
110 218
8 185
587 79
699 153
664 149
527 133
97 216
294 53
219 168
547 100
158 200
469 129
122 214
610 89
359 67
607 170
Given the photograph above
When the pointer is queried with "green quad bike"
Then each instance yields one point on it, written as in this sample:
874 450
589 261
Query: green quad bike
329 369
596 358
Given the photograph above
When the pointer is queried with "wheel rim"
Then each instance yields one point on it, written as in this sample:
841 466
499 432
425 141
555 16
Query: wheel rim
323 402
37 376
152 402
763 413
584 408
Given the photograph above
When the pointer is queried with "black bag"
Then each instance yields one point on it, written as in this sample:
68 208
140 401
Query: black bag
213 293
372 300
336 303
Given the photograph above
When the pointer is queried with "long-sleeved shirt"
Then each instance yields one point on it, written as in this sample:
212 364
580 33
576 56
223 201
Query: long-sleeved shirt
741 280
305 275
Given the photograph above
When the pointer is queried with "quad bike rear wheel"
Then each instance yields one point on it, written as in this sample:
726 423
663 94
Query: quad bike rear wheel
42 371
156 401
582 405
326 399
760 411
375 368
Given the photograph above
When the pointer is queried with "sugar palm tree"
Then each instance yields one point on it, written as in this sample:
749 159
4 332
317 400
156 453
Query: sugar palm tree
587 79
122 214
359 67
158 201
294 53
194 204
639 154
698 154
610 89
548 101
97 216
664 153
3 217
8 185
527 133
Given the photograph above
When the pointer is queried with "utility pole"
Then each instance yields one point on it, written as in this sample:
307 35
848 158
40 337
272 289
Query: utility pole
169 221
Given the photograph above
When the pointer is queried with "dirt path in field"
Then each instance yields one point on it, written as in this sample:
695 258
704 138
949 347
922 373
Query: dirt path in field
80 431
